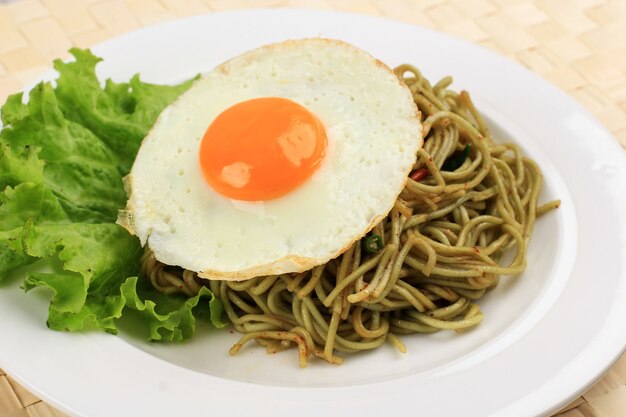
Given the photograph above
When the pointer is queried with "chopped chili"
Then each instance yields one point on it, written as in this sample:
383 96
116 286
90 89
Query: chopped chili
419 174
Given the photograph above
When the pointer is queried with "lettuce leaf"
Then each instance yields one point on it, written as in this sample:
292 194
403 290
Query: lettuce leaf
83 174
63 155
171 317
121 113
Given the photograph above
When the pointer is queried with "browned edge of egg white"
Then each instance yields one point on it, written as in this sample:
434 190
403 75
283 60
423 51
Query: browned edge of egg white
126 217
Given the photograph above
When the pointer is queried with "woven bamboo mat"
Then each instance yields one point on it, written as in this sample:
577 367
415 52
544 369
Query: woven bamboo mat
579 45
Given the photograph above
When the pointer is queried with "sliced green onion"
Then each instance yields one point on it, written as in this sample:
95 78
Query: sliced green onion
373 244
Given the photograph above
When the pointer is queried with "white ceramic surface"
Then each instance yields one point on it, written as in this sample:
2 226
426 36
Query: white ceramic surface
547 334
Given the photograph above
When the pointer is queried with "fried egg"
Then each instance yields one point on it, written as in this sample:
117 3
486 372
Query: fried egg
275 161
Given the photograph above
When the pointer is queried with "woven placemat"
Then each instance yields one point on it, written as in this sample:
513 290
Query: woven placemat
579 45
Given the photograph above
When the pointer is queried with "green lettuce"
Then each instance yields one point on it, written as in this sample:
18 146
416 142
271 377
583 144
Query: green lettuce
63 155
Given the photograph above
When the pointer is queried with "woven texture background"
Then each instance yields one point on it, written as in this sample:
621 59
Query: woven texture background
579 45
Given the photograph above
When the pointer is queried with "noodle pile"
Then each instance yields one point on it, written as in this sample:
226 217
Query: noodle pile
468 202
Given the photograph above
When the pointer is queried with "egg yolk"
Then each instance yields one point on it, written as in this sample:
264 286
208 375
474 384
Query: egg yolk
262 148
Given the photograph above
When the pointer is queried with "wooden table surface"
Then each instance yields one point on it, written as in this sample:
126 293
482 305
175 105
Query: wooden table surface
579 45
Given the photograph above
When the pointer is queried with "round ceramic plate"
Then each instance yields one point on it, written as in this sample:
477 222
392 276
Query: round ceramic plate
547 334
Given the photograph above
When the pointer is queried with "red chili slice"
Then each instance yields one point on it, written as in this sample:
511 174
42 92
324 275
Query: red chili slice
419 174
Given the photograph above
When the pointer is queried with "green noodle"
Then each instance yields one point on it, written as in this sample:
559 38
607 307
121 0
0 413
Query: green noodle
443 244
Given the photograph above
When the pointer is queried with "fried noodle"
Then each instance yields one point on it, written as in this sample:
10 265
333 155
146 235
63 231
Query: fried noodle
442 247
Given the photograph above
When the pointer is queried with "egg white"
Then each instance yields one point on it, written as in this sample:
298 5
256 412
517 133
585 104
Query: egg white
373 133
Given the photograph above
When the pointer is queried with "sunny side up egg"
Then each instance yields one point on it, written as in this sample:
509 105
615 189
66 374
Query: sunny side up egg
275 161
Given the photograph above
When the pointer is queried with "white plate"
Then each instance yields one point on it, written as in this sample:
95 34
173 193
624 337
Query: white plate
547 334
